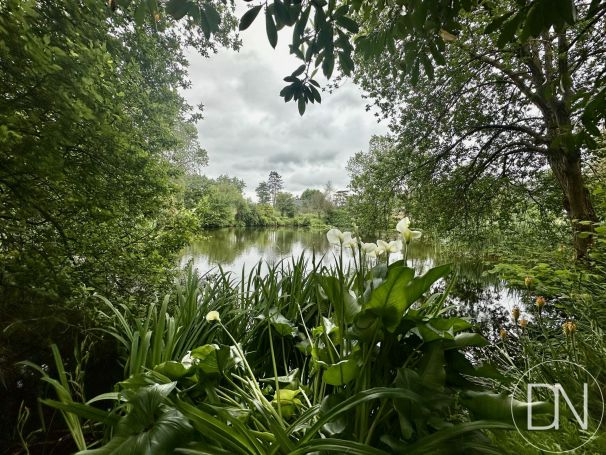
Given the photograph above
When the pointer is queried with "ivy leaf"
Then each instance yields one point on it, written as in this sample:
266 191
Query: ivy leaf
249 17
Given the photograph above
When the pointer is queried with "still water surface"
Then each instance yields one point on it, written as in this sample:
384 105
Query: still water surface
482 297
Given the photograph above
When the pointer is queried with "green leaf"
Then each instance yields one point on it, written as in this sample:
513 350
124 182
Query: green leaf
497 22
388 300
301 105
339 296
469 339
348 24
213 17
534 23
270 28
509 30
282 13
341 373
298 71
249 16
207 358
431 368
178 8
501 407
346 63
139 15
423 283
173 370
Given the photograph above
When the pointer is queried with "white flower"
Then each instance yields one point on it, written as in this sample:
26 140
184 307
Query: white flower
395 246
368 248
336 237
407 234
188 361
213 316
350 242
381 247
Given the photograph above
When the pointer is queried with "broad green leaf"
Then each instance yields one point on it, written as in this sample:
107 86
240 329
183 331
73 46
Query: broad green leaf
348 24
301 105
501 407
388 300
213 17
270 29
341 373
345 304
249 16
178 8
173 370
420 285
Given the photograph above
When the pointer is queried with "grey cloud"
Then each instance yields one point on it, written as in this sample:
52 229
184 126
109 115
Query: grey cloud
248 130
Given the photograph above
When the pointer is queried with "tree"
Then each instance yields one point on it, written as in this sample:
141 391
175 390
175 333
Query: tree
313 200
275 184
263 193
375 185
285 204
503 108
93 136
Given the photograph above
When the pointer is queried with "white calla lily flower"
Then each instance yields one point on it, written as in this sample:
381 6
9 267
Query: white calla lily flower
368 248
349 241
382 246
407 234
395 246
336 237
213 316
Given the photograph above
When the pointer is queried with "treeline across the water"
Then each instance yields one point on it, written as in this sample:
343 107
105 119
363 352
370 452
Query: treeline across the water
221 202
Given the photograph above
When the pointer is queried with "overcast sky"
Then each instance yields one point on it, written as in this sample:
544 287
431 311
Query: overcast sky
248 130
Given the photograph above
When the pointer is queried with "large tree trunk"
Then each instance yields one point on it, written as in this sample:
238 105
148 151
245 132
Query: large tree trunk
577 201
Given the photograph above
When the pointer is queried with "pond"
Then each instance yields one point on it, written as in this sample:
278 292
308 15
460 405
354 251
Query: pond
482 297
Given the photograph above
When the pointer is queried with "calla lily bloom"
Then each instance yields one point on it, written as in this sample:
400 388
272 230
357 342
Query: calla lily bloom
350 242
336 237
368 248
395 246
407 234
213 316
382 246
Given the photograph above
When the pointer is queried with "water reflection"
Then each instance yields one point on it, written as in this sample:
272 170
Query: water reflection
482 297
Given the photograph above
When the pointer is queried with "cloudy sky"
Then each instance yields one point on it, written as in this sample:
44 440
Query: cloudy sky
248 130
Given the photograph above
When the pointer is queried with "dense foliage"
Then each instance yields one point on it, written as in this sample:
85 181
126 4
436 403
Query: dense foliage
93 137
496 111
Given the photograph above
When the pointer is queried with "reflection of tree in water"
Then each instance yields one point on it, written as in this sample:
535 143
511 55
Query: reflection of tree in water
226 246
